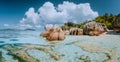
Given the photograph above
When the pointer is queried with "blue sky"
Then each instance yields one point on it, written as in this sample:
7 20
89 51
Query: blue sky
12 11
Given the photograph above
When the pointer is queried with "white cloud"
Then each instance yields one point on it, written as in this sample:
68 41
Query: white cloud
24 26
67 11
78 12
49 14
6 25
31 17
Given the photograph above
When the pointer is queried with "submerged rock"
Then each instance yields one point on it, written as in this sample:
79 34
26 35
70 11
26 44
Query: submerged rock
21 52
116 24
2 59
2 41
94 28
97 49
13 39
53 33
85 58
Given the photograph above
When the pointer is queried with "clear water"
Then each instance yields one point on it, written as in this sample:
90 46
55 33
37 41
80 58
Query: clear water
70 52
8 37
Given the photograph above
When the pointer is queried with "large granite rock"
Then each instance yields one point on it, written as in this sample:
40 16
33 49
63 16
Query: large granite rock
49 29
76 31
116 24
94 28
53 33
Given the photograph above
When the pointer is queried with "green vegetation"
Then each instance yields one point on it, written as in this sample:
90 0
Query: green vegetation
66 26
106 19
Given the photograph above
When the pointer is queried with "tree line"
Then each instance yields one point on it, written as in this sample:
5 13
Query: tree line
106 19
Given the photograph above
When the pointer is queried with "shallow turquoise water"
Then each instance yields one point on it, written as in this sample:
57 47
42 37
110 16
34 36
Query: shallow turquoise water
8 37
69 51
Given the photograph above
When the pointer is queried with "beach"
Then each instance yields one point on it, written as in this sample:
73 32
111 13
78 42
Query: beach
59 31
19 46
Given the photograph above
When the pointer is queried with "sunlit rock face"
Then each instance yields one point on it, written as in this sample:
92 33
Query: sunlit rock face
76 31
53 33
116 24
49 29
94 28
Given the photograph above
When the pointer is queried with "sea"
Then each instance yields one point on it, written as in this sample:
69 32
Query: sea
68 51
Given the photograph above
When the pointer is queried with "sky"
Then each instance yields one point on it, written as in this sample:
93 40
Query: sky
37 13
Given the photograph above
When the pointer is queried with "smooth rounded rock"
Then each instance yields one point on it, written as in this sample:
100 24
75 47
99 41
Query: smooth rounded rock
94 28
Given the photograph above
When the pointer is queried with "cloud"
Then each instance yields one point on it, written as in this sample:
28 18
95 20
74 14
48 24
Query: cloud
31 17
6 25
50 14
78 12
67 11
